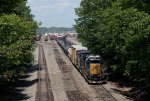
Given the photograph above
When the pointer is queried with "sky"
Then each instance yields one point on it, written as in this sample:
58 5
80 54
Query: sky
54 13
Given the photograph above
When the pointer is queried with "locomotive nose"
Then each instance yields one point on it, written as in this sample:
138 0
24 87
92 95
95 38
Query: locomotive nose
95 69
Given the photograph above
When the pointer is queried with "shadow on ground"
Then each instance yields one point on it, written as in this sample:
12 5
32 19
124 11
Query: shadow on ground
15 91
135 94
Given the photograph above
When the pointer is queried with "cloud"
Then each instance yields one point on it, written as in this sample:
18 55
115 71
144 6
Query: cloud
64 5
54 12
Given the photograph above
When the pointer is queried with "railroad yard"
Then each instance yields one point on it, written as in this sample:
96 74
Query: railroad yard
75 50
59 80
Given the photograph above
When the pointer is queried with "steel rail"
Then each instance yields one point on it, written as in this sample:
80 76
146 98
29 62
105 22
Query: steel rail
44 92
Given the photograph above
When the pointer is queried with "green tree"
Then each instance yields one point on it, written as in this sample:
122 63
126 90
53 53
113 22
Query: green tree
141 5
8 6
17 29
115 31
16 45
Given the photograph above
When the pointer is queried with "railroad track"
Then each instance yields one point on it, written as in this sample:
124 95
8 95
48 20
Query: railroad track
103 93
44 92
72 91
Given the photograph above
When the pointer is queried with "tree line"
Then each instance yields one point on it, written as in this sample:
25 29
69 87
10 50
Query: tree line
17 29
43 30
118 30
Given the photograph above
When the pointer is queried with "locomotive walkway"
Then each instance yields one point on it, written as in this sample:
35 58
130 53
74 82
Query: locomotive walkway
64 82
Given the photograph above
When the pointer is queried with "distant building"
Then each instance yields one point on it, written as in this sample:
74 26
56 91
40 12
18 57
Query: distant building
71 34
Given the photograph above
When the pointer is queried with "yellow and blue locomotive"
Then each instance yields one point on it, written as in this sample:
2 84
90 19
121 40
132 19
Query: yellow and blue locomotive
90 66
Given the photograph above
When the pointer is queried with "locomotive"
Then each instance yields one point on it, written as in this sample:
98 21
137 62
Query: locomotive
91 67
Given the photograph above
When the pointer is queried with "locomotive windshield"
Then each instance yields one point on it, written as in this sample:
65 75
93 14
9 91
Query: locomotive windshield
94 61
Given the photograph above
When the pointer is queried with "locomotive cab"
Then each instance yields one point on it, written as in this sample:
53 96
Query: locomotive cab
93 67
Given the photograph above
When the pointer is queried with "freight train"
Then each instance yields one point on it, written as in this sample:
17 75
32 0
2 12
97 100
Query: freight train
37 37
91 67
